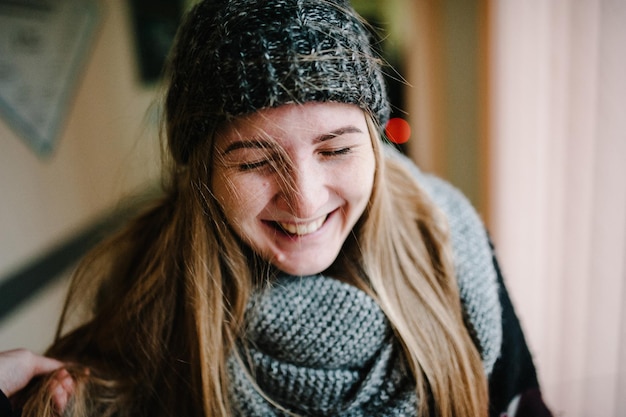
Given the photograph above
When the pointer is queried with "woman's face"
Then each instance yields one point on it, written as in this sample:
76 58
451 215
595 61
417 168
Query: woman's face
293 181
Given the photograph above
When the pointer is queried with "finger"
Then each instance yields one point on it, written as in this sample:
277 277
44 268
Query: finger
43 365
67 382
59 396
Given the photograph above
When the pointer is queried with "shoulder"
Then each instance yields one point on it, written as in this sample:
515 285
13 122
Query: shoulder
490 314
460 213
473 259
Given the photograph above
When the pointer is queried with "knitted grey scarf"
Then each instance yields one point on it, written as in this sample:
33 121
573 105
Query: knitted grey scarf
320 347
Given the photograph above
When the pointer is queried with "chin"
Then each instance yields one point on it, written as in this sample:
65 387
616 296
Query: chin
301 272
298 269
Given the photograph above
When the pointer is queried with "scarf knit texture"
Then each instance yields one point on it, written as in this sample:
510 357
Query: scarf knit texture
320 347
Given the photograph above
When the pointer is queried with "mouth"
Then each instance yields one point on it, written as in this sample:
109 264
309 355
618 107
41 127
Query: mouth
303 228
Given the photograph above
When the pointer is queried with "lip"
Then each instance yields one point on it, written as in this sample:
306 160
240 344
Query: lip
299 229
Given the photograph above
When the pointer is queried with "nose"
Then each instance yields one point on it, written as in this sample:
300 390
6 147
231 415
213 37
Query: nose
305 191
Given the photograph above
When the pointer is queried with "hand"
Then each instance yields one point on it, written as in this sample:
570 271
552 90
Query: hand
19 366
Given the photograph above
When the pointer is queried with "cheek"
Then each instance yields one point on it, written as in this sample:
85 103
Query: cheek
241 198
358 182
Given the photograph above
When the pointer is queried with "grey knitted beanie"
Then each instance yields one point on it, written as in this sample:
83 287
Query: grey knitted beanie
233 57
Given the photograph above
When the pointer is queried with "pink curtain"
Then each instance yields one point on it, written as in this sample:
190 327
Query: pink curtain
558 181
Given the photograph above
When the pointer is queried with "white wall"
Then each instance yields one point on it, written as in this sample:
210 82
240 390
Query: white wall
107 150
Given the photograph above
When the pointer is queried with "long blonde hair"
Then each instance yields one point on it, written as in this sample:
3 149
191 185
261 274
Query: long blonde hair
407 259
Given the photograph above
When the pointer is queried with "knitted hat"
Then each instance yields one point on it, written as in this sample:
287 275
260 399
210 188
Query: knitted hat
233 57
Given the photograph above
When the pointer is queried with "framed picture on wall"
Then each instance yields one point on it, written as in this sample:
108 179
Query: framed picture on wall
43 45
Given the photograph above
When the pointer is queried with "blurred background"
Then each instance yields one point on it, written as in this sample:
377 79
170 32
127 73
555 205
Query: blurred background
519 104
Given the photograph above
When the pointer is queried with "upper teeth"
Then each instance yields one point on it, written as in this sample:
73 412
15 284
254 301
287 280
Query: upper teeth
303 228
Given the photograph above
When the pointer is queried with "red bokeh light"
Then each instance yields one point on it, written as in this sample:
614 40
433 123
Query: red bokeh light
398 130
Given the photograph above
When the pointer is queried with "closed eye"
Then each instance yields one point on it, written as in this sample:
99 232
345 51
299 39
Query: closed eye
336 152
249 166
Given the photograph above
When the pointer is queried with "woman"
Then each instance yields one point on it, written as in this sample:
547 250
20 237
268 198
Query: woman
296 265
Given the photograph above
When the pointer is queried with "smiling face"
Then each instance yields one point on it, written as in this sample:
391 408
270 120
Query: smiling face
293 181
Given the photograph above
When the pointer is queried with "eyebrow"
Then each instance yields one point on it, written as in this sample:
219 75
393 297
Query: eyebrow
338 132
248 144
257 143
